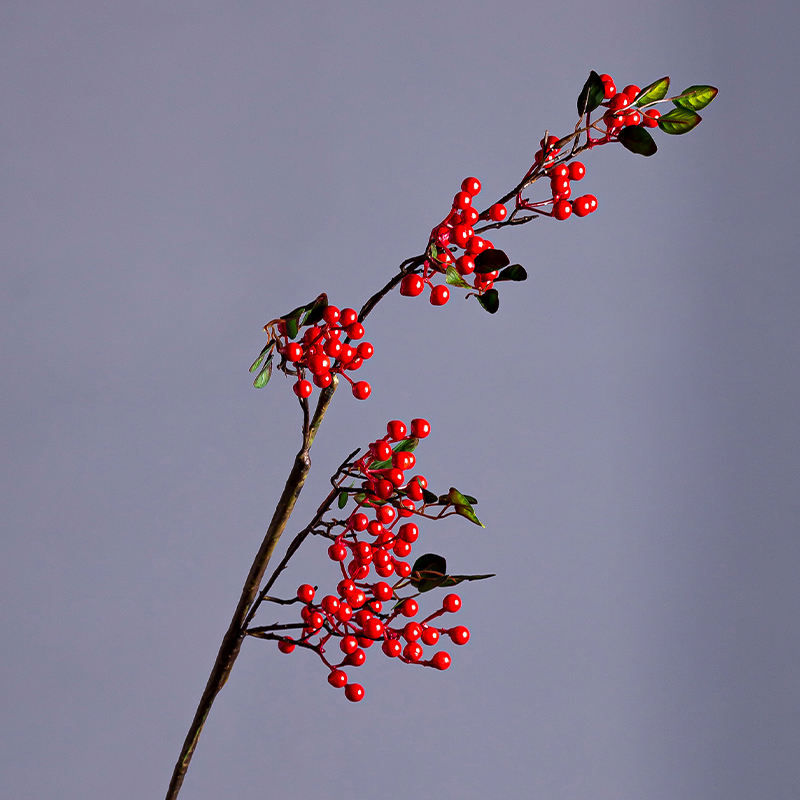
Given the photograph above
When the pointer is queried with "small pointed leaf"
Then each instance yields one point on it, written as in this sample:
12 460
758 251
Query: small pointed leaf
696 97
490 260
262 379
454 279
592 94
429 498
653 93
453 580
678 121
267 347
428 572
490 300
343 498
293 326
315 310
516 272
637 140
463 506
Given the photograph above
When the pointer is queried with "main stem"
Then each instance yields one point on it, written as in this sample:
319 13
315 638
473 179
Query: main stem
232 641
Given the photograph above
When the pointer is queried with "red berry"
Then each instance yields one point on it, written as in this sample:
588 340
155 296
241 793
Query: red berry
381 558
376 606
609 89
562 209
392 648
294 352
440 295
357 598
451 603
459 635
285 646
470 216
633 118
461 235
402 568
441 660
409 532
632 91
375 528
559 171
559 186
316 621
411 286
497 212
592 200
302 389
363 551
354 692
462 200
619 101
347 354
355 331
650 119
349 644
361 390
406 507
331 315
365 350
409 607
305 593
346 588
420 428
386 514
330 603
429 635
356 658
396 430
348 317
471 186
373 628
581 206
344 613
475 245
413 651
576 171
337 552
333 347
465 265
386 570
323 380
382 591
382 449
401 548
412 631
359 522
337 679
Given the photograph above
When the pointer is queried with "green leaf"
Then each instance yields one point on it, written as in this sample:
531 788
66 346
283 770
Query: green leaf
343 498
429 498
637 140
404 446
267 347
471 499
463 506
592 94
262 379
453 580
315 311
293 325
454 279
516 272
428 572
490 260
696 97
678 121
490 300
653 93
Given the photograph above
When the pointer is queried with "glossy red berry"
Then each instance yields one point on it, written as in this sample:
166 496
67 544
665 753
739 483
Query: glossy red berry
633 118
396 430
476 245
349 644
451 603
385 570
440 295
333 348
357 598
302 388
408 532
462 200
381 558
361 390
459 635
363 551
409 607
355 331
441 660
373 628
305 593
413 651
429 635
412 631
384 489
330 603
581 206
406 507
348 317
365 350
632 90
337 678
401 548
392 648
562 209
470 216
592 200
619 101
411 286
356 658
382 591
354 692
294 352
316 621
576 171
465 264
558 186
346 588
345 612
375 528
498 212
609 89
650 118
420 428
285 646
402 568
337 552
323 380
331 314
559 171
471 186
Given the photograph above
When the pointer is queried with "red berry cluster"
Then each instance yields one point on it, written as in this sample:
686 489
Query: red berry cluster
362 611
620 114
322 352
455 230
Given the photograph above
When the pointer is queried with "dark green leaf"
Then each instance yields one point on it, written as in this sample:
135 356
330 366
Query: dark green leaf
490 300
471 499
652 93
428 572
637 140
404 446
262 379
454 279
453 580
592 94
463 506
678 121
293 325
315 311
695 97
429 498
343 498
516 272
267 347
490 260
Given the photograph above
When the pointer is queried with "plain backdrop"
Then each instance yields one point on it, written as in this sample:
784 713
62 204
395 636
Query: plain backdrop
175 174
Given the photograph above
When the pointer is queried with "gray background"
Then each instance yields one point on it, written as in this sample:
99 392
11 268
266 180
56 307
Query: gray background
175 174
